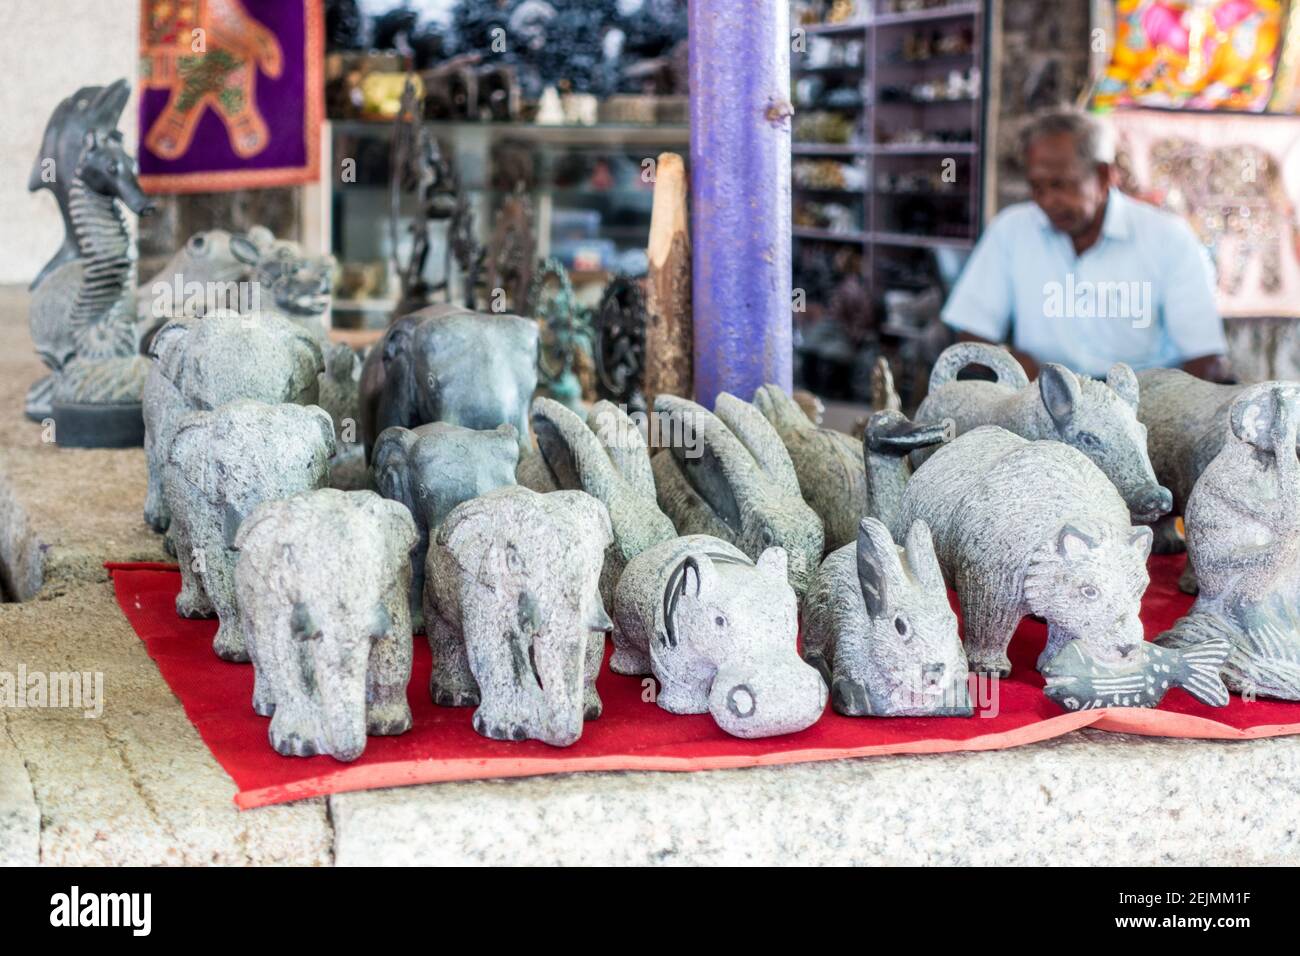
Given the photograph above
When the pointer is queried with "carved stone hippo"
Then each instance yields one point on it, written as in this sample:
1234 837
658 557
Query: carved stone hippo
1023 528
1097 418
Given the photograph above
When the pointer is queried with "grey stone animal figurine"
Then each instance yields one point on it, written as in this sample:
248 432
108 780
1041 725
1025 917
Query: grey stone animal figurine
221 465
1097 418
888 442
512 601
719 633
446 364
1243 539
201 364
878 627
211 256
606 456
1026 528
433 468
340 395
1077 680
1187 421
733 479
321 581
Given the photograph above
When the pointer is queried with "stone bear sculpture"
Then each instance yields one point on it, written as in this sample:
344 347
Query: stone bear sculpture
446 364
1099 419
1023 528
730 477
1243 539
606 457
321 581
221 465
201 364
433 468
512 602
880 630
719 632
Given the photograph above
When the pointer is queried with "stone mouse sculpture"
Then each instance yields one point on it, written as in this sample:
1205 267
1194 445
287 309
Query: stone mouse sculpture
606 457
512 601
1099 419
433 468
201 364
719 633
446 364
1243 539
1023 528
321 581
1076 680
221 465
730 476
880 630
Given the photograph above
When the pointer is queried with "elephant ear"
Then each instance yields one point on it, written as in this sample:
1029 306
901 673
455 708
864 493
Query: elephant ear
624 444
714 462
248 532
392 464
571 450
760 439
168 346
191 447
397 523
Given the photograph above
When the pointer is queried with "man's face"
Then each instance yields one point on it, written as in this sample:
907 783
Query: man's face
1071 193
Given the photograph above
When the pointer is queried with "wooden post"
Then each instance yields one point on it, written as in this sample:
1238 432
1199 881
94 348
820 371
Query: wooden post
670 335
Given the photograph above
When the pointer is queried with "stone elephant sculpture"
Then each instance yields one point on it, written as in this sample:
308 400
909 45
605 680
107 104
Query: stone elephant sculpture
446 364
221 465
512 598
201 364
322 580
433 468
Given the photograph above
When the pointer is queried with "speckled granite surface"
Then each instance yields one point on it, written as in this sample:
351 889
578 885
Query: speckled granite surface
137 785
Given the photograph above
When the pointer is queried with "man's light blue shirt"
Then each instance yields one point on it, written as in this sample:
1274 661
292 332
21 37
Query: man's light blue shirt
1142 294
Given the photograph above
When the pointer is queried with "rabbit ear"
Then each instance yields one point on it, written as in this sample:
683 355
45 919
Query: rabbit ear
760 440
879 570
922 558
624 444
392 463
714 462
571 450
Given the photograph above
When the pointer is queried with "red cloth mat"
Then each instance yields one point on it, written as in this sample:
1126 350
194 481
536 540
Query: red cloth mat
632 734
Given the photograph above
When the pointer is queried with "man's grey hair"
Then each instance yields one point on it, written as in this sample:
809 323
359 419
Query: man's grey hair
1094 137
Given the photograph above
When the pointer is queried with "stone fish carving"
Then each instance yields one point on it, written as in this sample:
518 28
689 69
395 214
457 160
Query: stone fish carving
1243 539
511 602
433 468
880 629
736 482
1078 681
321 581
1097 418
201 364
446 364
719 633
221 465
606 457
1025 528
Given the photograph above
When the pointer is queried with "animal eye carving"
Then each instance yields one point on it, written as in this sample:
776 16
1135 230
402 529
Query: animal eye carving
767 537
720 621
1090 592
900 625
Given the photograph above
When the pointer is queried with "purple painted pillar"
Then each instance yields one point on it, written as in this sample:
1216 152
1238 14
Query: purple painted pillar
740 195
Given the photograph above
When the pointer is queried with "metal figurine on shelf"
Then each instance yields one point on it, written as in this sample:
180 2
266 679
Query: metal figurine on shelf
1243 539
82 311
512 250
620 343
567 342
1097 418
719 632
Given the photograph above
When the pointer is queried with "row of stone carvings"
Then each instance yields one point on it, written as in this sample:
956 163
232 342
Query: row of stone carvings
706 553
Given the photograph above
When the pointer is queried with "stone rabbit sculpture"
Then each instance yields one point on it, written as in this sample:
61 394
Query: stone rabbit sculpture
606 457
201 364
322 580
221 465
446 364
433 468
1023 528
880 630
512 602
1243 539
719 633
1099 419
735 481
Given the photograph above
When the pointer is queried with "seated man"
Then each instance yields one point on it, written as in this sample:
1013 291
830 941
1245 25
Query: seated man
1084 275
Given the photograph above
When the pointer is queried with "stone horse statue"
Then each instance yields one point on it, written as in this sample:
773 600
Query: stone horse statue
82 317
